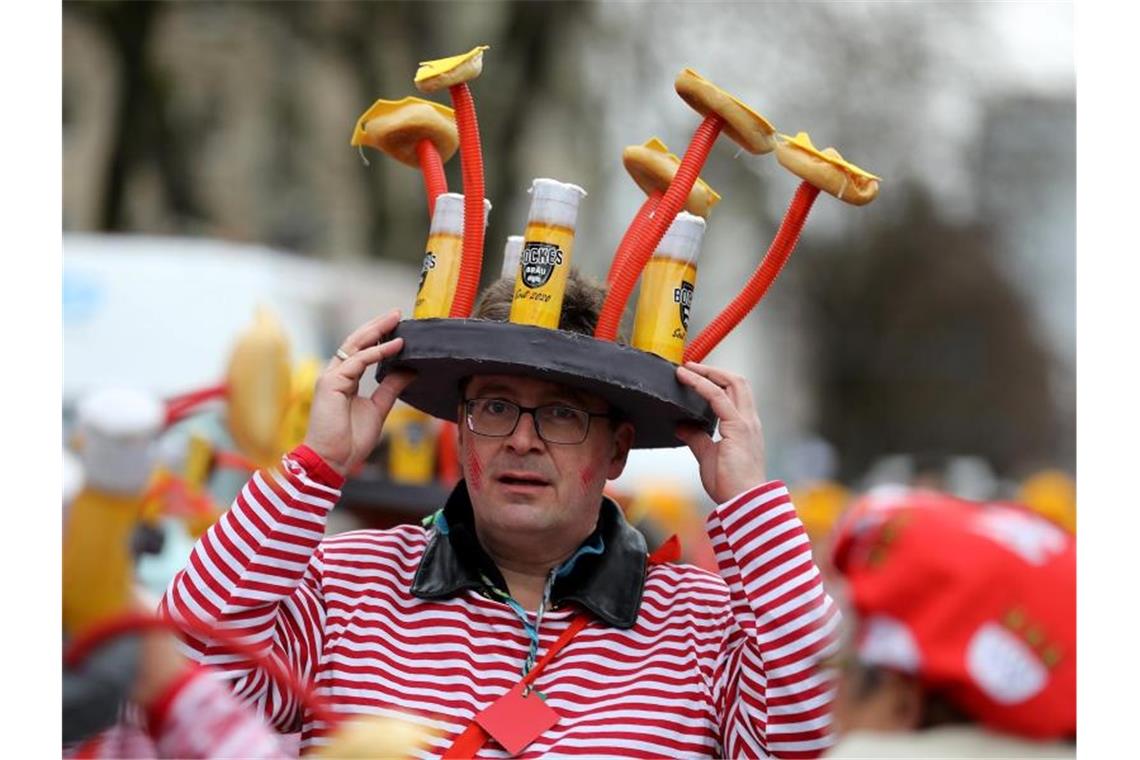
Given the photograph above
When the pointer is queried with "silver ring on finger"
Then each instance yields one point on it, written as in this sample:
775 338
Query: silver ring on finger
342 354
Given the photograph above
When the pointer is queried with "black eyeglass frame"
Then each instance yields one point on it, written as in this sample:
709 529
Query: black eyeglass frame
531 410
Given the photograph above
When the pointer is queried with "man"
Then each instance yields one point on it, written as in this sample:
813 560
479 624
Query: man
438 624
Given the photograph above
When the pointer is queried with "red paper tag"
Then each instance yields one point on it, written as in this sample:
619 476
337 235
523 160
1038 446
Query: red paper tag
514 721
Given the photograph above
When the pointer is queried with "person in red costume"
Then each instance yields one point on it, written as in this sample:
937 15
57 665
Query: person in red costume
965 644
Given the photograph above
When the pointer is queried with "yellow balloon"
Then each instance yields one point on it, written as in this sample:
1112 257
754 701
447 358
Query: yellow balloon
668 506
259 387
1053 495
819 506
296 419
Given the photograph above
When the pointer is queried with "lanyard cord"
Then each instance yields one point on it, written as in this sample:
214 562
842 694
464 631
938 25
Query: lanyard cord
473 737
596 546
531 630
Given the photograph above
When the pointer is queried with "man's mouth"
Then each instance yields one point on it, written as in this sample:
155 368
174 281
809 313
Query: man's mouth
516 478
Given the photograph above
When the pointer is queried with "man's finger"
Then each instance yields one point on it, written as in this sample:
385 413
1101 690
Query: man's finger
735 385
711 392
354 367
390 388
367 335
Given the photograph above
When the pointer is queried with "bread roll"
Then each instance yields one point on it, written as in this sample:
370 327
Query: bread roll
749 129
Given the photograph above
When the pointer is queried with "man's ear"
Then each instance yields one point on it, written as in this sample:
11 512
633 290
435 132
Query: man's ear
623 442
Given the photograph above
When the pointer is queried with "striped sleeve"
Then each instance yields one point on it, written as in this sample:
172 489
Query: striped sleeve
256 574
772 696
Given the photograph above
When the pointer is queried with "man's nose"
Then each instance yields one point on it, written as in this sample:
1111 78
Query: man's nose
525 437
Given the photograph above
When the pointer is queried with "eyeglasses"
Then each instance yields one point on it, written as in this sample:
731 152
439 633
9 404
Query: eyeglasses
554 423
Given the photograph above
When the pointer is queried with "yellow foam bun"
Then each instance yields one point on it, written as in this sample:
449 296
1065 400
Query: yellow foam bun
445 72
653 167
396 127
827 170
747 128
376 737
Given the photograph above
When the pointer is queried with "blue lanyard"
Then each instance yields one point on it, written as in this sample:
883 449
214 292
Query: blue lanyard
531 630
597 546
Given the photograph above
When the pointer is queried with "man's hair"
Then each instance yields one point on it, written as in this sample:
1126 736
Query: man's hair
581 302
937 708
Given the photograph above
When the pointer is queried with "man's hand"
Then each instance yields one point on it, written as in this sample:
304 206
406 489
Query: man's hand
735 463
344 427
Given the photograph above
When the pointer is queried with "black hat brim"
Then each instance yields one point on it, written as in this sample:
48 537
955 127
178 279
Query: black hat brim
643 386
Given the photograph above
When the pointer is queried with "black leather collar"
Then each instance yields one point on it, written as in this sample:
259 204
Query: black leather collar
607 584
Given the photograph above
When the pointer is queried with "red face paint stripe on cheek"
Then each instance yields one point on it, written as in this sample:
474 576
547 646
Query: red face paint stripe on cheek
586 478
474 471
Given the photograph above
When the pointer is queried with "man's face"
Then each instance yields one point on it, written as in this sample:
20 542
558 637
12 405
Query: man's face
875 699
519 483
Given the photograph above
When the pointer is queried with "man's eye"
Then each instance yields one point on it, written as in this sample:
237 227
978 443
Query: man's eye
563 412
496 407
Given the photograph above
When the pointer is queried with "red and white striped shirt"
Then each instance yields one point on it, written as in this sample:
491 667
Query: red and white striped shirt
714 666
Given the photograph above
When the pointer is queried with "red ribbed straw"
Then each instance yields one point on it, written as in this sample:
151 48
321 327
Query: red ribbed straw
180 407
471 164
431 166
133 622
767 271
647 236
622 252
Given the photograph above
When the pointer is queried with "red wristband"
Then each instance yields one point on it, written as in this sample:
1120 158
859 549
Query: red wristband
316 467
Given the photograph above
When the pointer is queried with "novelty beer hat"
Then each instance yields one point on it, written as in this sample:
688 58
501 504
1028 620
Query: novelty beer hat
976 600
639 383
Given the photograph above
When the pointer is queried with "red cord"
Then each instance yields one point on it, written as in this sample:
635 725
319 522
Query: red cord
431 166
182 406
647 236
767 271
471 164
639 219
233 460
135 622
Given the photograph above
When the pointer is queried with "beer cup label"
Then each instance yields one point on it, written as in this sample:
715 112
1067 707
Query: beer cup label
661 322
683 296
544 263
537 262
439 275
429 264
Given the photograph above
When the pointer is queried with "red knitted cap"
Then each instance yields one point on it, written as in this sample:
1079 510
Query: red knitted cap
977 600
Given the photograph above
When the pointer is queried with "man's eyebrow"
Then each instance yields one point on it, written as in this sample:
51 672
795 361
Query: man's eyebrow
569 394
562 395
494 388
